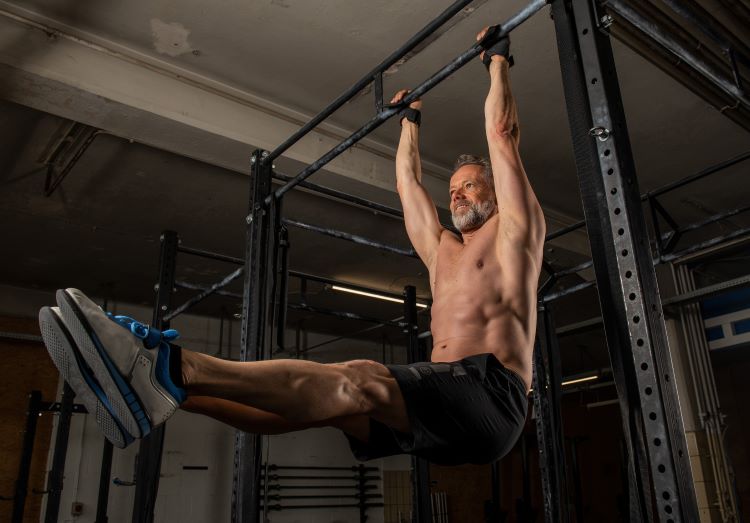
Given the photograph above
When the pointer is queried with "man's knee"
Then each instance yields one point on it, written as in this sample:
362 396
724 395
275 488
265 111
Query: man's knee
368 384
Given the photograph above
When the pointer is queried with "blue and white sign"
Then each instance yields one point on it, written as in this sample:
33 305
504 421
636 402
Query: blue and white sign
727 319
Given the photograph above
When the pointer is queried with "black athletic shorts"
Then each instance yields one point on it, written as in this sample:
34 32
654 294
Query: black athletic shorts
468 411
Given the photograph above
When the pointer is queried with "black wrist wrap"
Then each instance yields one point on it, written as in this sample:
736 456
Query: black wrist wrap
413 115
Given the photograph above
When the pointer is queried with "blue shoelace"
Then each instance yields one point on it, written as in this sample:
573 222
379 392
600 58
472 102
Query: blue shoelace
151 337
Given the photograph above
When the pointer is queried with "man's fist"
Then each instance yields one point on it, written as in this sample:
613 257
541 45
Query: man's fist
498 52
416 104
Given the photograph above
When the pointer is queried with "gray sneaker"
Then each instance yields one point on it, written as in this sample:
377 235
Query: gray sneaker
77 373
129 360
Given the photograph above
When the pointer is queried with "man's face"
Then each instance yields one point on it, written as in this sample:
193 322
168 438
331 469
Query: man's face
472 199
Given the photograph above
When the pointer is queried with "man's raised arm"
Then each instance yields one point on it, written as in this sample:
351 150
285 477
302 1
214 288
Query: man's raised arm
420 215
520 213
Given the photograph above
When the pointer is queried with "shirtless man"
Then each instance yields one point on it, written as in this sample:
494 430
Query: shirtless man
466 406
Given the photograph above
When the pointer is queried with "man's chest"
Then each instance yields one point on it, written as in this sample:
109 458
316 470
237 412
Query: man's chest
466 266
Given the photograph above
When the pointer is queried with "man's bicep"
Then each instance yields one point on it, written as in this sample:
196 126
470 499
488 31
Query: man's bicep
515 196
421 220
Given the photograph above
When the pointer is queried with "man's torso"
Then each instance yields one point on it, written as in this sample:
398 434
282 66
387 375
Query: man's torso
484 299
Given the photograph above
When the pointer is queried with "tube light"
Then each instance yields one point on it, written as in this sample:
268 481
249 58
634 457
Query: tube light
576 380
372 295
580 380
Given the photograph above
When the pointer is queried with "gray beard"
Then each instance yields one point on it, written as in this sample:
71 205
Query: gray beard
474 217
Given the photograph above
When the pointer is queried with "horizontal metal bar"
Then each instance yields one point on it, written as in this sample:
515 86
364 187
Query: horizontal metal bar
708 291
353 477
697 176
739 233
204 294
56 406
602 403
350 198
354 468
713 219
212 255
681 299
196 287
415 40
573 270
662 190
332 281
291 507
581 326
565 230
565 292
690 58
279 497
276 486
314 167
361 240
347 336
17 336
341 314
388 112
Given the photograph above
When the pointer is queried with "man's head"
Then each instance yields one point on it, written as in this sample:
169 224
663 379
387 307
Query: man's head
472 193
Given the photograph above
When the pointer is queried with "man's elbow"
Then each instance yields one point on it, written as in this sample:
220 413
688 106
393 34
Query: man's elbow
502 134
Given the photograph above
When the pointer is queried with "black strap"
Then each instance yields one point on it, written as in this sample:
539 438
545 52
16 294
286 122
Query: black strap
413 115
501 47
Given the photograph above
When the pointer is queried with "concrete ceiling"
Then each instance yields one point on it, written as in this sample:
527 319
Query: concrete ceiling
197 87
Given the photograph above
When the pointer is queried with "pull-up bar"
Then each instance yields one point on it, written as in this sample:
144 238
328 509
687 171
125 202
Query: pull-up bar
414 41
391 110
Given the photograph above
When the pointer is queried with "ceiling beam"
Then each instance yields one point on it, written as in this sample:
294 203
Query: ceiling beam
67 72
63 71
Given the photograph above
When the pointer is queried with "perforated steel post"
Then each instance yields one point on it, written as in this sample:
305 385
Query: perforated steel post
151 447
256 331
549 433
56 475
422 511
625 277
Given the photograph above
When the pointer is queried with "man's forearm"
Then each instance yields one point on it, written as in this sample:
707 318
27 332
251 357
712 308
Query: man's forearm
501 116
408 165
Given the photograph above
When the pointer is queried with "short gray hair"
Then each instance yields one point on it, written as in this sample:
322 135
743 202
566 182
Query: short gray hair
470 159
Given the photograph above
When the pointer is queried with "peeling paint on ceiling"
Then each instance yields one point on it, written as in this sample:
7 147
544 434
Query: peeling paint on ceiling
170 38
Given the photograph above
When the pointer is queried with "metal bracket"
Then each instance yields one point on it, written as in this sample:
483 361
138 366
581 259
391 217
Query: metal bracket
56 406
377 83
64 155
601 133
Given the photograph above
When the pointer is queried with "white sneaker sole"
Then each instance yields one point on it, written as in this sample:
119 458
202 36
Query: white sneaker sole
125 402
62 350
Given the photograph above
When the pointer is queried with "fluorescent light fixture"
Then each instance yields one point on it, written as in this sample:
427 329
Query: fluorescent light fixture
576 380
372 295
580 380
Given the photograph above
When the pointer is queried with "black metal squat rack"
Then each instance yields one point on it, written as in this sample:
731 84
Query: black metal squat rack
658 468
